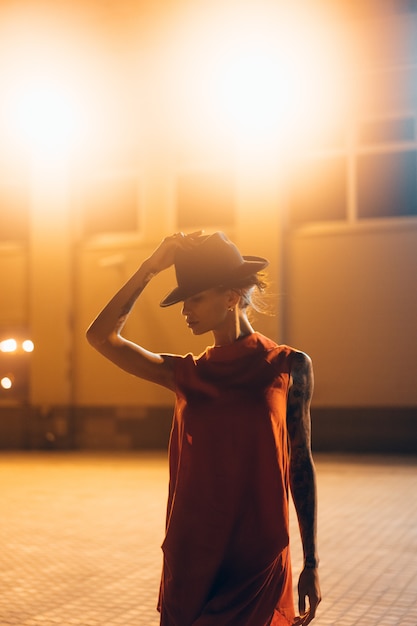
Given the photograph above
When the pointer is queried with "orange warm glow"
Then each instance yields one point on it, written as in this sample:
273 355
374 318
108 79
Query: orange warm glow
259 73
45 117
46 76
264 73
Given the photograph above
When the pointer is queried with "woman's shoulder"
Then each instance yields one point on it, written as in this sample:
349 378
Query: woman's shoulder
273 347
280 353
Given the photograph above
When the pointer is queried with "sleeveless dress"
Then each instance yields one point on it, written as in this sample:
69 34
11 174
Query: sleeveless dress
226 555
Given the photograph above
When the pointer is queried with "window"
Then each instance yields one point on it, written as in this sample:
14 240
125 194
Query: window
374 174
388 130
387 184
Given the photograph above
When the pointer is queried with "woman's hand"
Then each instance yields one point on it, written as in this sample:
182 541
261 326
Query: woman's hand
164 255
308 587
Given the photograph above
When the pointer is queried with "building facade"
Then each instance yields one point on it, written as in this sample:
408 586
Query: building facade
336 215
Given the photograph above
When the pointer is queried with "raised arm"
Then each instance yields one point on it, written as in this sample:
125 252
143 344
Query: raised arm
104 334
303 481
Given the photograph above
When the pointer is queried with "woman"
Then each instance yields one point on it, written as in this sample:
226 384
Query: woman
240 437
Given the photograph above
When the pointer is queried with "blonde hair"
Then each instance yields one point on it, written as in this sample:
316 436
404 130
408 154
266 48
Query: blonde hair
253 294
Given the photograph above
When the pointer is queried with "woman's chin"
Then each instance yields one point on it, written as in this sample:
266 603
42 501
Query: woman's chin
197 330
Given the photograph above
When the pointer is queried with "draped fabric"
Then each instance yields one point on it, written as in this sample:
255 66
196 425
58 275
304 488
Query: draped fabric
226 555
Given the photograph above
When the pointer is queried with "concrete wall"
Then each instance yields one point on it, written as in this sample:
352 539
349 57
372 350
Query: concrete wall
353 307
353 304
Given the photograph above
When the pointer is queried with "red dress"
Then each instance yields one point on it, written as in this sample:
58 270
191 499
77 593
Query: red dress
226 557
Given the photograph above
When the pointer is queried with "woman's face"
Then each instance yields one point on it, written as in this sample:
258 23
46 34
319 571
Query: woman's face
208 310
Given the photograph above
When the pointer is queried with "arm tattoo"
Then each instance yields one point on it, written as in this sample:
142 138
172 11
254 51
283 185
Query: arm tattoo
302 473
128 306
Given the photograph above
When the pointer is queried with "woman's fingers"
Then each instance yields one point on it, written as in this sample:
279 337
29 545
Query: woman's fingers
164 255
186 240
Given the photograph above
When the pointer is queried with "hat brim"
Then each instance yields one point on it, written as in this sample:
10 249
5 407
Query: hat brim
251 265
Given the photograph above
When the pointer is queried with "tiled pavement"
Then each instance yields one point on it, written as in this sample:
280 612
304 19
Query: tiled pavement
81 533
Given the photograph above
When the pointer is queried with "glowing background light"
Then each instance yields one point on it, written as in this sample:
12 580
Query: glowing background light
46 73
45 116
261 73
265 72
8 345
27 345
6 382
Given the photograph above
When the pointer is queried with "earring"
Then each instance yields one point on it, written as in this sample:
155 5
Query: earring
231 308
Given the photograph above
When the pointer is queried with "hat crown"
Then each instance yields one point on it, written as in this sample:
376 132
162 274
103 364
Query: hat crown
212 262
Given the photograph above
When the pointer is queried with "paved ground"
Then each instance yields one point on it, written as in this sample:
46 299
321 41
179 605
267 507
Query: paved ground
80 537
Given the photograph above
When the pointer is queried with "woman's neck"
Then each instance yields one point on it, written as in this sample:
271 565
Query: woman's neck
237 328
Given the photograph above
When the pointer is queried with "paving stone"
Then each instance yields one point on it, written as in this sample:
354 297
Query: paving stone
81 535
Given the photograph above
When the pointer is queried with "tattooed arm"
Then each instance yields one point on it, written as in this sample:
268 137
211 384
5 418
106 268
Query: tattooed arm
104 334
303 481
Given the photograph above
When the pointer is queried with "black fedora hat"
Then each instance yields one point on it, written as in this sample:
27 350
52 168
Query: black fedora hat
213 262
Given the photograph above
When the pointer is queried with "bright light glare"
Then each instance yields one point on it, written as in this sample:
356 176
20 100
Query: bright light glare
6 382
267 74
46 80
46 117
280 86
8 345
246 90
27 345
